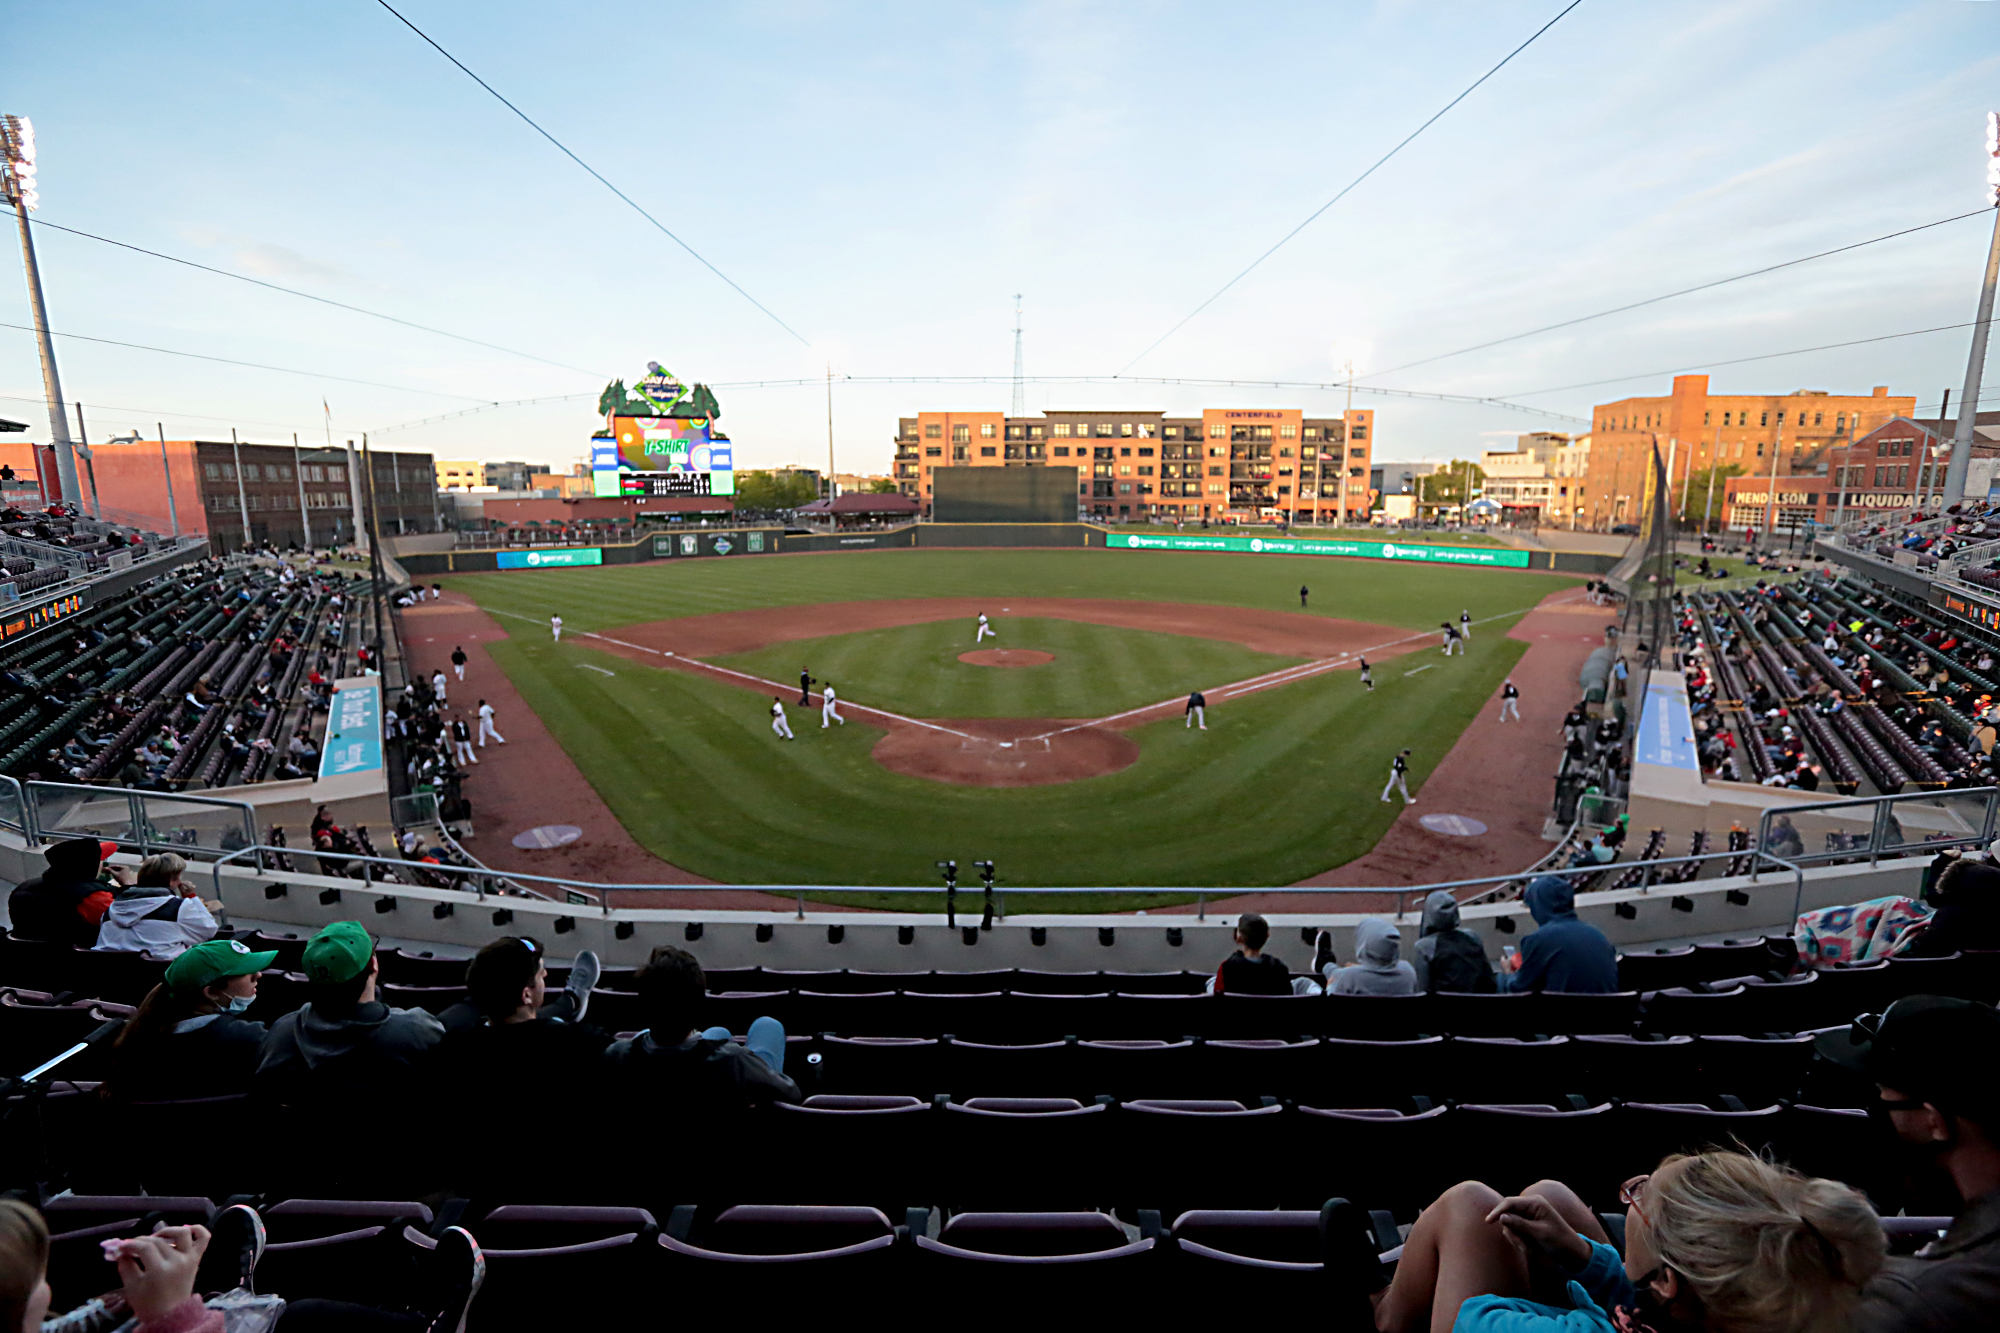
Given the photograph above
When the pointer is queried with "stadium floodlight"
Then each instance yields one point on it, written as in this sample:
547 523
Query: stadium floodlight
1993 157
17 145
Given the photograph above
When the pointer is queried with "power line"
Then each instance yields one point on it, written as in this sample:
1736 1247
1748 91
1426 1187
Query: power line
1737 361
253 365
1314 215
595 173
1685 291
475 411
169 412
308 296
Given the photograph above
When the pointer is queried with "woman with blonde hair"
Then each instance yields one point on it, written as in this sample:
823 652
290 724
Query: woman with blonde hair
1721 1242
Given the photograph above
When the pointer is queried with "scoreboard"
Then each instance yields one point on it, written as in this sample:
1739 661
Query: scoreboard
662 456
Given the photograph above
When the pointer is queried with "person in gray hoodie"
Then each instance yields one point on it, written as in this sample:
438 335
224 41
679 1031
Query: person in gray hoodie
1378 967
345 1047
1465 966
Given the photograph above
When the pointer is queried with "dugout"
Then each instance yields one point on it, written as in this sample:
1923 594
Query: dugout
1003 495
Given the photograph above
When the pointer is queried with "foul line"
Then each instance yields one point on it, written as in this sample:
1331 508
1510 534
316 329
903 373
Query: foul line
759 681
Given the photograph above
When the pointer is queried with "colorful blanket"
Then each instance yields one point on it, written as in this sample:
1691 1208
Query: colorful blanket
1863 933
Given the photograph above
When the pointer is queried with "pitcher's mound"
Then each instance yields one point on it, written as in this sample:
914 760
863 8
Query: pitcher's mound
1005 752
1007 657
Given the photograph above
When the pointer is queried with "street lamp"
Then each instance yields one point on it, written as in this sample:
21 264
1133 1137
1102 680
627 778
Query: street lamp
17 181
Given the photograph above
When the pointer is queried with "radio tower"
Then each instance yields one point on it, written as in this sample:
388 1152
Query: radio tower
1020 395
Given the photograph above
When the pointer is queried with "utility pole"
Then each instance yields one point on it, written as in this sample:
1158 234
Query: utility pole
829 431
89 464
1346 425
1020 386
1975 364
242 499
167 471
361 542
1771 496
17 180
305 515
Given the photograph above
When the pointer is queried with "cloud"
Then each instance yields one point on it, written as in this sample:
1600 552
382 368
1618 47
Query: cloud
264 259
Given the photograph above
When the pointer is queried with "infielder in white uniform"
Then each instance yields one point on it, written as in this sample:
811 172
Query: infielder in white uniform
778 722
984 629
1510 701
486 727
1465 624
555 627
461 742
437 684
1452 643
828 713
1398 772
1367 675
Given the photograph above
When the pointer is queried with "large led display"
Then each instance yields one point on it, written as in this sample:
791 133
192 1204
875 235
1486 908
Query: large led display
661 439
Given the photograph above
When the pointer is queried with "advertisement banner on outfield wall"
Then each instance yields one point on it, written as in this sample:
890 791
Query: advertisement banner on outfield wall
726 542
551 559
353 733
1447 555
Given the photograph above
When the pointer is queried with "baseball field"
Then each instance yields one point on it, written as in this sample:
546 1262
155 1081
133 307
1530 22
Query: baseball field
1067 760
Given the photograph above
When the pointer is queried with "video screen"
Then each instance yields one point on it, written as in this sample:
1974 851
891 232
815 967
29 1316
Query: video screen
661 456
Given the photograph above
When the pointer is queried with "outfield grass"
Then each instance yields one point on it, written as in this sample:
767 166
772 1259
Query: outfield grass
1406 594
914 669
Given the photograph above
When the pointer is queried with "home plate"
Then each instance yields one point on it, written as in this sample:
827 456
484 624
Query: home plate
1458 826
548 835
1006 745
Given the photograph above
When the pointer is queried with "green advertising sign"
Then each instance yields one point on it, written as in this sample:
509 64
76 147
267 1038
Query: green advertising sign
568 555
1498 556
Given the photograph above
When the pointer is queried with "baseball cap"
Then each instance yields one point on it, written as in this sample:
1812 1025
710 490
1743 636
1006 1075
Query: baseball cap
1932 1047
216 960
340 952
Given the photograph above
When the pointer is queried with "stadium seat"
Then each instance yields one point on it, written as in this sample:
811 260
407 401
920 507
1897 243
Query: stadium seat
1483 1068
1362 1073
340 1249
1266 1067
1501 1014
1039 1017
1040 1069
1065 1153
539 1260
835 1255
1742 958
1027 1264
1661 969
987 1015
912 1065
291 949
1028 981
1645 1132
435 999
735 1010
1843 992
1580 1140
399 968
1137 1067
954 983
1757 1069
122 978
1376 1017
31 1034
78 1222
35 964
1278 1240
1686 1010
1378 1154
1578 1014
1154 983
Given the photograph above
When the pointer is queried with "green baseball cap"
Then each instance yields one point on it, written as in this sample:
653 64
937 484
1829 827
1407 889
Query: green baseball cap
217 960
340 952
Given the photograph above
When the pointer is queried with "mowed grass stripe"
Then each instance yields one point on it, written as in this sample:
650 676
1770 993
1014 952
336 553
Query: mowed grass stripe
1411 596
914 669
1283 785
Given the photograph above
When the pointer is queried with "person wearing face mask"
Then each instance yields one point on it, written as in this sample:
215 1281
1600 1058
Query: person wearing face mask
1930 1058
1721 1242
189 1037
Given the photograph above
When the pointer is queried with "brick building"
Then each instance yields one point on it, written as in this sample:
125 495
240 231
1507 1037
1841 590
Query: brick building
1797 432
1228 464
211 497
1893 468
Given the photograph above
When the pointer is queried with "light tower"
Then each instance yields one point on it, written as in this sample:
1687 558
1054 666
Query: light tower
17 179
1020 391
1968 400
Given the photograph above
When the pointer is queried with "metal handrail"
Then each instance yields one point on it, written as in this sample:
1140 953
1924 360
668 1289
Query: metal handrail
1878 828
136 811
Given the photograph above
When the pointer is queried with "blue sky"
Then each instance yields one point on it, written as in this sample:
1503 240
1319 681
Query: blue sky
885 177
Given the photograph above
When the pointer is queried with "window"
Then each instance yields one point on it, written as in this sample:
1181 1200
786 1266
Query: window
1760 448
933 431
985 430
987 451
1105 429
1214 472
961 434
1125 429
1284 453
1145 429
958 453
1016 433
1060 430
1263 432
285 472
212 471
1360 432
1214 489
1145 453
1288 431
1034 432
1124 488
1818 417
1124 469
1062 450
1215 432
1170 433
1038 451
337 472
1125 452
933 451
1354 471
1357 453
1763 419
1704 418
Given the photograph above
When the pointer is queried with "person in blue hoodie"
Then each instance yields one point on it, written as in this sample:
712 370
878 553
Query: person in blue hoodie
1565 954
1721 1242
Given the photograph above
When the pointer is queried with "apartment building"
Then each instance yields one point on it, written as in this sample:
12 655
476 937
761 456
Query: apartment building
1226 465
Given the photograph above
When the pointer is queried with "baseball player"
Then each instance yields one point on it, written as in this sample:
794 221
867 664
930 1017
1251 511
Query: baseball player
1465 624
1451 639
555 627
828 712
1510 701
1398 772
1367 675
1303 590
461 741
778 722
437 684
805 688
458 661
486 727
985 629
1197 710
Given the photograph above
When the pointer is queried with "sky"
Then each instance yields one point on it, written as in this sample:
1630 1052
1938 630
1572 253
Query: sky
884 178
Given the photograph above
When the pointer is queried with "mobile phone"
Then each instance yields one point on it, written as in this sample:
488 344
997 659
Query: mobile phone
1507 952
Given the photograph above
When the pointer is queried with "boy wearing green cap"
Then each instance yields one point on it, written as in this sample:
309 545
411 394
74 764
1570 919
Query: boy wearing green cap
344 1044
189 1038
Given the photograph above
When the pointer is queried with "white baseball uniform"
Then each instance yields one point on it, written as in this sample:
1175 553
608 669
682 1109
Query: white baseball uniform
461 743
555 627
1398 771
486 727
778 722
1510 702
984 630
1465 624
828 713
437 685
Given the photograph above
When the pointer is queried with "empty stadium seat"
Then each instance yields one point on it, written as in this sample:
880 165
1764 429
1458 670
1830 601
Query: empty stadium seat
341 1249
77 1223
1031 1263
540 1260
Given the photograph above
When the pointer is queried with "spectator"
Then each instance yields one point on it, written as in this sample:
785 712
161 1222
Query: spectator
1940 1099
189 1038
1251 971
1565 954
1967 898
676 1070
344 1045
160 914
1718 1241
65 904
1378 968
157 1272
1783 839
1449 957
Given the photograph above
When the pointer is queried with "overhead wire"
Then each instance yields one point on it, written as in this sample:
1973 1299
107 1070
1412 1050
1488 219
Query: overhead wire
1346 189
1685 291
308 296
597 175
